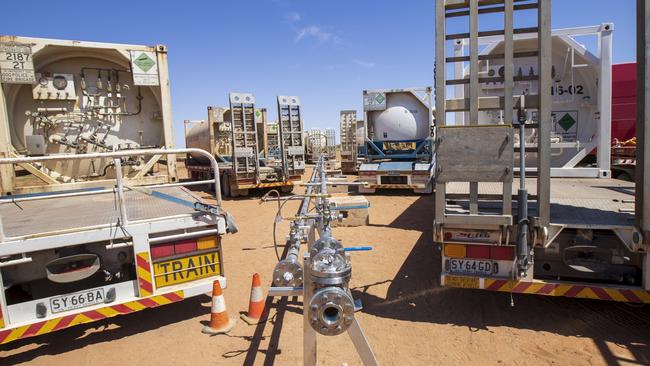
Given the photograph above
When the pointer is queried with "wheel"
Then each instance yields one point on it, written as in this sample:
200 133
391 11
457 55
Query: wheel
194 175
624 176
426 190
225 185
286 189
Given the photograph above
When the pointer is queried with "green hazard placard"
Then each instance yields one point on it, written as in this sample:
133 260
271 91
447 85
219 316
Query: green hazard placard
565 124
144 66
374 101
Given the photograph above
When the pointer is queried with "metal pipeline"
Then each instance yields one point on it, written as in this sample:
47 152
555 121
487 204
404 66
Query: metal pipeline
331 308
328 303
288 272
522 197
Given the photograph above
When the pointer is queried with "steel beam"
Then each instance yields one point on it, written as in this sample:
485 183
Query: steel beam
473 90
604 101
544 115
643 120
166 102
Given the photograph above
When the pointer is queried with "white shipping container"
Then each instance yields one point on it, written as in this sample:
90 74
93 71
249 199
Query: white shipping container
72 97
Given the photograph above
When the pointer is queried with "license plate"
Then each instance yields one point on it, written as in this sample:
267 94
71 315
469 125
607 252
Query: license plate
462 282
471 266
186 269
244 152
77 300
296 150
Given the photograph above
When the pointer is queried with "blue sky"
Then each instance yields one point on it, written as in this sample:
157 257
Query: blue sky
326 52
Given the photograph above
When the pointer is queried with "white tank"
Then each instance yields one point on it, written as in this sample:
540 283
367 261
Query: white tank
197 136
574 94
84 97
397 116
361 134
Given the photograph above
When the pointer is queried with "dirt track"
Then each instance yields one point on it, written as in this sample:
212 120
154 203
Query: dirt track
407 317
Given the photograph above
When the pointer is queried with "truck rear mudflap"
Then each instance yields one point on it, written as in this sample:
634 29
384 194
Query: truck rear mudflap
549 288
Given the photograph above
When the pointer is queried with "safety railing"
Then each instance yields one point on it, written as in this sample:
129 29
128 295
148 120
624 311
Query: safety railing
120 184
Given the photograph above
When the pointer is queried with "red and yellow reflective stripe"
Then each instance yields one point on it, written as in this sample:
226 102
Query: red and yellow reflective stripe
53 325
569 290
263 185
144 274
396 186
2 319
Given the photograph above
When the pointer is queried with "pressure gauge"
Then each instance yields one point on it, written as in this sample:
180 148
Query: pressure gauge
59 82
43 81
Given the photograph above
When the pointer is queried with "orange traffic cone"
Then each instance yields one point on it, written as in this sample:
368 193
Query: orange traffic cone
256 303
220 322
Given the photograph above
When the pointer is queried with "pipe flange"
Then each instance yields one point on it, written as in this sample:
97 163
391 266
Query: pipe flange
287 273
325 242
331 311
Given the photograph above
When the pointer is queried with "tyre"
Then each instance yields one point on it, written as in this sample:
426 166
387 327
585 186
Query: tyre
286 189
225 185
624 176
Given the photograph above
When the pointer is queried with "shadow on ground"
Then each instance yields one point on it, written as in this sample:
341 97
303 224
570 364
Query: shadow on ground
415 294
98 332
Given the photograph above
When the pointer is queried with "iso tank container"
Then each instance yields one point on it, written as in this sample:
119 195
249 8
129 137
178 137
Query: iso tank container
72 97
397 115
575 93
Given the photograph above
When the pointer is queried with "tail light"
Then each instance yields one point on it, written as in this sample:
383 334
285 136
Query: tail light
455 250
493 252
478 251
206 243
186 246
502 253
182 247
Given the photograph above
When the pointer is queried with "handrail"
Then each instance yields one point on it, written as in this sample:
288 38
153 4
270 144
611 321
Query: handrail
116 154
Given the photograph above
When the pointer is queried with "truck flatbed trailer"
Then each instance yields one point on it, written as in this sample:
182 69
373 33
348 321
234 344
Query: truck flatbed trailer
594 219
35 218
573 237
34 229
586 203
238 187
79 256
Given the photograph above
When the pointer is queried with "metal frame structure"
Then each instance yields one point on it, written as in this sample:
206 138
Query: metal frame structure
480 171
245 154
207 220
293 277
588 217
7 175
348 132
290 130
642 198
